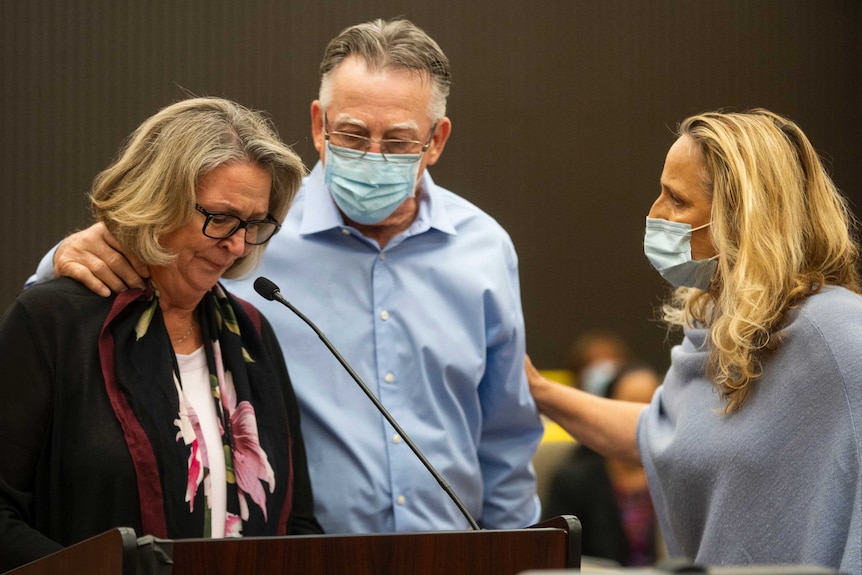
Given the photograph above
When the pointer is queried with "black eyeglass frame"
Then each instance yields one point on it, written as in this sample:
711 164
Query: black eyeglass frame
241 224
389 157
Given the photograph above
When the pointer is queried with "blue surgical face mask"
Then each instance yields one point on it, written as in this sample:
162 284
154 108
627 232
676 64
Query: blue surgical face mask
595 378
367 188
667 245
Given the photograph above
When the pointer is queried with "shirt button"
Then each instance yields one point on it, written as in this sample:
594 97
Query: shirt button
382 256
384 315
389 378
401 500
345 231
396 438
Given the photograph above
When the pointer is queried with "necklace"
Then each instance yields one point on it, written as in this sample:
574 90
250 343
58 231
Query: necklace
186 336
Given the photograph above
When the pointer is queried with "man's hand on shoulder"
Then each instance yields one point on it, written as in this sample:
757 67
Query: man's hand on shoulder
94 258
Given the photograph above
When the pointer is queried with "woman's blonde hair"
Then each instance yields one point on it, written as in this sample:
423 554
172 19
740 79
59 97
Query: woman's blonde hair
150 188
781 230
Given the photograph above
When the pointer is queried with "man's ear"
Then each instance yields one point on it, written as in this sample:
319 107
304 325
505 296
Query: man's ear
317 126
438 140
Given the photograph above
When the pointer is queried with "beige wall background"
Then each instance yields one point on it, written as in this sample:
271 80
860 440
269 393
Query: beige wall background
562 110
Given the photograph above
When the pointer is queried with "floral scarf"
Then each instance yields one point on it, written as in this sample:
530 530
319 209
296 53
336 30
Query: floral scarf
162 430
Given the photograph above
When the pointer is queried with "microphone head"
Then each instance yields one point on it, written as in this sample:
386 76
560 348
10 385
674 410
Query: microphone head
265 288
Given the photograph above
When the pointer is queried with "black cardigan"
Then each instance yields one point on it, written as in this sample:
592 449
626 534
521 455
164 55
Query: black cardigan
65 469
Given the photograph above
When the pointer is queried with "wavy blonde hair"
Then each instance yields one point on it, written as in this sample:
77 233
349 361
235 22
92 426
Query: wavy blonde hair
781 230
150 188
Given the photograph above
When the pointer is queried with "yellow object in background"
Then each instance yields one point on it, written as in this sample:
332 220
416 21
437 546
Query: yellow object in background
554 432
563 376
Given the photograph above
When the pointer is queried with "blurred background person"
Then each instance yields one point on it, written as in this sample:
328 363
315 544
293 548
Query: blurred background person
166 409
595 358
610 496
751 445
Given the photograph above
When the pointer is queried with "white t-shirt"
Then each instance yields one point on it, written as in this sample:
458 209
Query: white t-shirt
195 377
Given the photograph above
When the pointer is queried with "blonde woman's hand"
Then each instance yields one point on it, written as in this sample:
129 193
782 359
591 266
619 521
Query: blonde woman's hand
538 383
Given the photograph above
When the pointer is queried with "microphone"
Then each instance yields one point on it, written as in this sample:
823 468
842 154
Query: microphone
268 290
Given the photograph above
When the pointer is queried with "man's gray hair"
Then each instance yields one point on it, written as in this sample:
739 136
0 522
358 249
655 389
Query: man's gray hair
397 44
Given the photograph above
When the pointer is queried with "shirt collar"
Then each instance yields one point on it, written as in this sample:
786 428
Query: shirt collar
321 213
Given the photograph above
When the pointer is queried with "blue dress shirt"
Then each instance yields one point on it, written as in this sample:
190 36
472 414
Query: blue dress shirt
433 325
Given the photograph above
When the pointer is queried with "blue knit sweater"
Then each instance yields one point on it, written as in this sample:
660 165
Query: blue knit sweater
779 480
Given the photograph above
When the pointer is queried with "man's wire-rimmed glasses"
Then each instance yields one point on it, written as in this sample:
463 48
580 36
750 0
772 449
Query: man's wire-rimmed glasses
354 146
219 226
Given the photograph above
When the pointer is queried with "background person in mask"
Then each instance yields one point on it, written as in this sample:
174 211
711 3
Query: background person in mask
751 445
610 497
595 358
416 287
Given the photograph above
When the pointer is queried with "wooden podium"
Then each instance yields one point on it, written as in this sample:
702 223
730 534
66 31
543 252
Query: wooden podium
553 544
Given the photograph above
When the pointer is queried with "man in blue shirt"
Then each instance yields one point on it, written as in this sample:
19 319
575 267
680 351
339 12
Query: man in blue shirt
416 287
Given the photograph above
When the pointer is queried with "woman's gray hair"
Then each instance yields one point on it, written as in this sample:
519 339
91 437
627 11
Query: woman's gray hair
150 188
397 44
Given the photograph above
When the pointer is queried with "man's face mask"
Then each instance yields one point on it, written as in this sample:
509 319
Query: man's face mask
367 187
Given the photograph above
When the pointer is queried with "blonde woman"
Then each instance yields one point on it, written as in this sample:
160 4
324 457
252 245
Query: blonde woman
166 409
752 444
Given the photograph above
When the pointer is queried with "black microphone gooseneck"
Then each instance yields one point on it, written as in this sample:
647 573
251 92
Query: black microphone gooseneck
268 290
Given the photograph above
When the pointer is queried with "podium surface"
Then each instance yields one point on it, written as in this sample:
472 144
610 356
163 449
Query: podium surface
554 544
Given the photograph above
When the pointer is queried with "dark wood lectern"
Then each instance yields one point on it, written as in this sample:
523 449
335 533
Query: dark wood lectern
553 544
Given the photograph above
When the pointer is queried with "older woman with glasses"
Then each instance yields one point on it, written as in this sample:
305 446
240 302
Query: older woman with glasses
167 409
